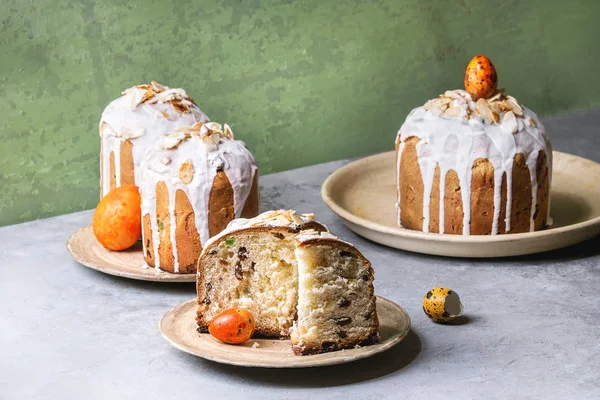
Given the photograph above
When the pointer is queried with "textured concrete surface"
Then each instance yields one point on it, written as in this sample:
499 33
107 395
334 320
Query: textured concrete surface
302 82
530 330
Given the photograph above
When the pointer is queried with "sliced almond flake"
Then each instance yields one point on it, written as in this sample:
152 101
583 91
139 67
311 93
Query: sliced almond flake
514 105
431 104
147 96
436 112
213 127
326 235
288 215
496 107
179 107
461 100
495 117
227 131
451 93
463 93
170 141
157 86
436 103
297 219
484 110
210 141
497 96
309 215
269 214
532 122
453 111
186 172
282 220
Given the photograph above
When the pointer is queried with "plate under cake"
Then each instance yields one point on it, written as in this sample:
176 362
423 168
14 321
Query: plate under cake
295 278
363 194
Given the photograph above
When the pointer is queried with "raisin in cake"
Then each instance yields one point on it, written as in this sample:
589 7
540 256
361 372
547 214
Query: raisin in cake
194 181
133 122
292 279
473 168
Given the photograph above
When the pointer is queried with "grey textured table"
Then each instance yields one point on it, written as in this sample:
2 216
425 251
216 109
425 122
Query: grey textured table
531 331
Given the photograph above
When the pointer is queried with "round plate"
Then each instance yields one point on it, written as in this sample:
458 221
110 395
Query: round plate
178 327
363 194
130 263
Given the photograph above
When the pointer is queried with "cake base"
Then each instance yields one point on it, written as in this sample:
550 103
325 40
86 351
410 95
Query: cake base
178 328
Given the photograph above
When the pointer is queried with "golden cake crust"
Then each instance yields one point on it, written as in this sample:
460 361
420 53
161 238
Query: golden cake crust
482 195
189 245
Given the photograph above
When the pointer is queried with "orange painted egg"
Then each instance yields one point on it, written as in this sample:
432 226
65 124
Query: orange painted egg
232 326
117 220
481 80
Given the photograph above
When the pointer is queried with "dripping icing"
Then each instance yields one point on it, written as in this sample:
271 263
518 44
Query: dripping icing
142 123
209 148
474 138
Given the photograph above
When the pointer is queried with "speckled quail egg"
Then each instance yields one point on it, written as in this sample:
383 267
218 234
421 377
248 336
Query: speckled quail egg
442 305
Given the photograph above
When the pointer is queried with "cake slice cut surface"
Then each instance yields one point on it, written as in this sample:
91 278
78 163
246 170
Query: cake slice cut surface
294 277
336 301
252 265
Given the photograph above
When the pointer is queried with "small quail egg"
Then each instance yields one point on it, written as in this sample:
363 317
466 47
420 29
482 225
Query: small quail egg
481 79
442 305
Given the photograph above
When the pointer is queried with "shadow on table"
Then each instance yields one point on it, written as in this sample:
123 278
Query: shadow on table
378 366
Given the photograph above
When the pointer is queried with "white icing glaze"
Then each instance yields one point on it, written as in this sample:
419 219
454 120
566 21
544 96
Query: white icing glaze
456 138
208 148
283 218
142 115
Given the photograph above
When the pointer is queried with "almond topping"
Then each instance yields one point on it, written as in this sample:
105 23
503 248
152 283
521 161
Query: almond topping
186 172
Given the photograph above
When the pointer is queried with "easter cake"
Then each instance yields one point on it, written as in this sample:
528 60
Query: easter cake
473 162
295 277
132 123
194 181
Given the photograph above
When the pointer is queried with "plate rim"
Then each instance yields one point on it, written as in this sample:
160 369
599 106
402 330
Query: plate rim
165 277
343 355
326 190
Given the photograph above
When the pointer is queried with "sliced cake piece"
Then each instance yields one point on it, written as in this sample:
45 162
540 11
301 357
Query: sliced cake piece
336 301
251 264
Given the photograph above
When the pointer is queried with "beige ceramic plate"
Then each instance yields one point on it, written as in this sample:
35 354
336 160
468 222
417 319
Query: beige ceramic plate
178 327
85 249
363 194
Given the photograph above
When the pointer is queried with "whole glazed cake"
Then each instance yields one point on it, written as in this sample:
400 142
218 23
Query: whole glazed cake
473 162
194 181
297 279
133 122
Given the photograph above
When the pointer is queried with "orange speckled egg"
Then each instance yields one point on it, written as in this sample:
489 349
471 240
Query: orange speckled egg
232 326
442 305
481 80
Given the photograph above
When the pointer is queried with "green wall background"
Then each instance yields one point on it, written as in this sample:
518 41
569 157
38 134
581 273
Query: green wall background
302 82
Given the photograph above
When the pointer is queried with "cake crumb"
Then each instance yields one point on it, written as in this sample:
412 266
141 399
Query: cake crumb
255 345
